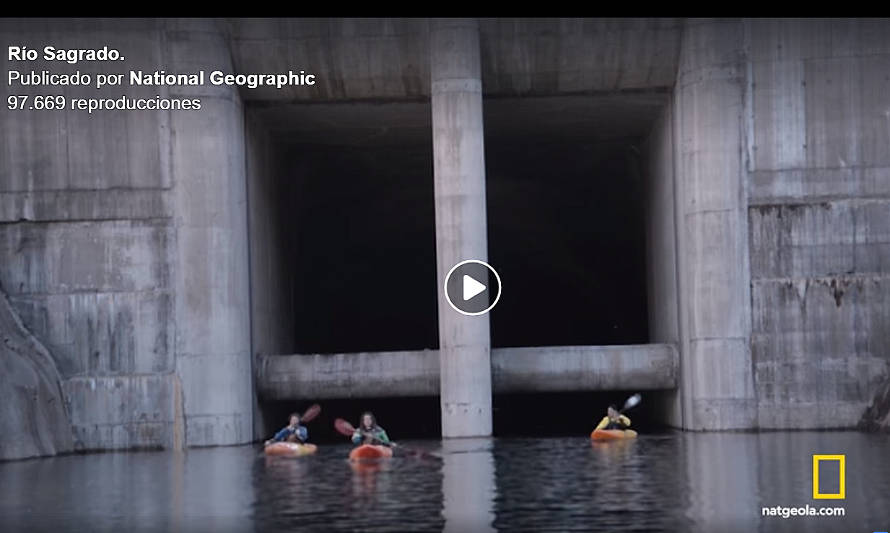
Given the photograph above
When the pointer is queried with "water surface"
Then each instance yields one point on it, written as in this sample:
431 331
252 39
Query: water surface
668 482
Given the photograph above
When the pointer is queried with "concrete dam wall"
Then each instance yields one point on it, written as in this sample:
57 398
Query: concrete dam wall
717 189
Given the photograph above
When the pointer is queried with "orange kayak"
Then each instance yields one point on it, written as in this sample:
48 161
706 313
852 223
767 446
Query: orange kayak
291 449
370 451
613 434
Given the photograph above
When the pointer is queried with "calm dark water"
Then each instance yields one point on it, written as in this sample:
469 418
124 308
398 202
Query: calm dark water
667 482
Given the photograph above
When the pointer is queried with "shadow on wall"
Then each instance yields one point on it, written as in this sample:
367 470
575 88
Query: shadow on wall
877 416
33 419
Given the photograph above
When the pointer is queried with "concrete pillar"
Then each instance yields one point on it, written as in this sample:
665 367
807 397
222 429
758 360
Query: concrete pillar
459 170
716 381
211 258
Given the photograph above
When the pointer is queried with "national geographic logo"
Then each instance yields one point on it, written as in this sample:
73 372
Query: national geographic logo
824 482
842 482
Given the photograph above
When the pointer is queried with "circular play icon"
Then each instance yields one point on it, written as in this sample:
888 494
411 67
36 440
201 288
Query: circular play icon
472 287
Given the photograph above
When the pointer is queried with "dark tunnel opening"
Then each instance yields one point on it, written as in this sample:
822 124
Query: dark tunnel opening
404 418
371 276
352 189
565 220
352 265
355 192
571 414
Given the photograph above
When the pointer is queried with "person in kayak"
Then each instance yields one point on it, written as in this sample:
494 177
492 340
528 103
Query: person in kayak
614 420
293 432
368 432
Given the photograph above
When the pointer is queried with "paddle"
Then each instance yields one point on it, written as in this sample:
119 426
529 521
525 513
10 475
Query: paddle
311 413
631 402
345 428
308 415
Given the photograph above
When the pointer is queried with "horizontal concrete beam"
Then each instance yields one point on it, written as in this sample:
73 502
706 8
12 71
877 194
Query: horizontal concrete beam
416 373
348 375
585 368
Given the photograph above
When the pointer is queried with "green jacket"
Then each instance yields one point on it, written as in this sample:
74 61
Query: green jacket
377 436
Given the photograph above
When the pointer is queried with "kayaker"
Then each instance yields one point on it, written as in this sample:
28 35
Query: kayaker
293 432
368 432
614 420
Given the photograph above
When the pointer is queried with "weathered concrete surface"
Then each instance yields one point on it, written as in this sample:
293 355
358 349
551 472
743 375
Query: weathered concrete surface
353 58
358 59
211 278
662 288
581 368
272 304
661 252
351 375
33 418
416 373
877 416
716 382
461 227
78 205
553 56
124 412
118 227
83 286
85 235
819 218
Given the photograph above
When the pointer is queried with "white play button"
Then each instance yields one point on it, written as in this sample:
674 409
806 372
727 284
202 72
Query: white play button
472 287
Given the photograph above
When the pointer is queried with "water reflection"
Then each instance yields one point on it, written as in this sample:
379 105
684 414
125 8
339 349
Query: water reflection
468 485
722 468
218 489
669 482
370 483
366 469
327 492
575 485
205 489
785 478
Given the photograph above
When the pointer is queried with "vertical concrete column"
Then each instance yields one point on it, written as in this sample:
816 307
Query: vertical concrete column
716 387
459 170
207 158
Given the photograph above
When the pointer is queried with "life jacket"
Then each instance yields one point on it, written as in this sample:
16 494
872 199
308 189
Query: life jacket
377 431
607 423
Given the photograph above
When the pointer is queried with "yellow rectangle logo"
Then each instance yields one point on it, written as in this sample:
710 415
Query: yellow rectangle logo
841 494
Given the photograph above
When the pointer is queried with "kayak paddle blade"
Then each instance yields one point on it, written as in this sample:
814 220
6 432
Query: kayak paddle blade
633 401
343 427
311 413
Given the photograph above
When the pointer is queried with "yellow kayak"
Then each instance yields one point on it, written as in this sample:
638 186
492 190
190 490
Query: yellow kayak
613 434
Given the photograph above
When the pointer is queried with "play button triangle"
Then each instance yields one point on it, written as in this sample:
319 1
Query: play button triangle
472 287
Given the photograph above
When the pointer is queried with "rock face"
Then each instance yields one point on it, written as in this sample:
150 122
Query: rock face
33 419
877 416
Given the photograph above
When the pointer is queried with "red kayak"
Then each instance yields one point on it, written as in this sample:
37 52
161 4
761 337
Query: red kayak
370 451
